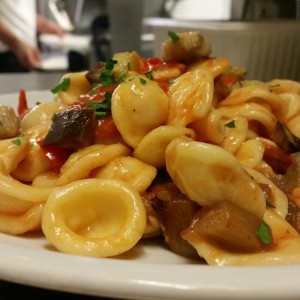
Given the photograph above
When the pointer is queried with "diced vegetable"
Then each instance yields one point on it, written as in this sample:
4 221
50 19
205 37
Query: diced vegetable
72 128
228 226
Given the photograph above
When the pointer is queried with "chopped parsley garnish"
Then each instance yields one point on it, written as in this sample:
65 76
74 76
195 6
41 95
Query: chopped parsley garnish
174 36
122 76
103 107
230 124
62 86
269 204
264 234
107 77
1 123
149 74
142 80
17 140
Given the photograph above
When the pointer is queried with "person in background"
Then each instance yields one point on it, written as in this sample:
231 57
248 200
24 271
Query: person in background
19 26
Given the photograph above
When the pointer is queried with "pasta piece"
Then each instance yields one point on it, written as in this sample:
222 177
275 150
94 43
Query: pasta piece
94 217
138 105
30 220
250 153
292 102
279 199
134 172
284 249
191 97
294 125
127 61
13 151
152 147
40 114
10 187
81 165
32 165
45 179
280 86
257 93
234 135
215 65
79 85
208 174
218 118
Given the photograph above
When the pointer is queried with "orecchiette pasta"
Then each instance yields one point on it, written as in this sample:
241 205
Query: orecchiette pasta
94 217
182 147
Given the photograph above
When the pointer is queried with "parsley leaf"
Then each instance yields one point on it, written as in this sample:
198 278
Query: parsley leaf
149 74
264 234
103 107
62 86
17 140
230 124
106 77
143 81
174 36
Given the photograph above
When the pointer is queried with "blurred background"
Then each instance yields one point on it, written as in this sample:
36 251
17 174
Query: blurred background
260 35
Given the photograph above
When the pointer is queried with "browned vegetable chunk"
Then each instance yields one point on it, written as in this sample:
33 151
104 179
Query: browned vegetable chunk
226 225
174 213
72 128
189 46
9 122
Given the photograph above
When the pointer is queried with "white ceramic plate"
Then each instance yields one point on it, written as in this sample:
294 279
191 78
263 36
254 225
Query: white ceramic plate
149 271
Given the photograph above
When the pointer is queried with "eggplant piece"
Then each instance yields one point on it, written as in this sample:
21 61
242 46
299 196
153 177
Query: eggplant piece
72 128
175 213
227 226
93 74
285 139
9 122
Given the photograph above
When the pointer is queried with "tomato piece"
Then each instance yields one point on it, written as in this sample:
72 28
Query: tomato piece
228 80
164 84
22 105
106 130
57 156
97 94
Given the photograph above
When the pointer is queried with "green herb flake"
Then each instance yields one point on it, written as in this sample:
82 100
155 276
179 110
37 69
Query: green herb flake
122 76
269 204
1 123
110 64
264 234
149 74
62 86
101 108
17 140
174 36
230 124
106 77
37 103
107 96
143 81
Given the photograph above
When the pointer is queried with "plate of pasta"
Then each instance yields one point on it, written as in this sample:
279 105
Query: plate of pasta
153 178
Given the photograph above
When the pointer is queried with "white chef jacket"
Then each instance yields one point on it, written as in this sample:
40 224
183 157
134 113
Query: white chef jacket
20 17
